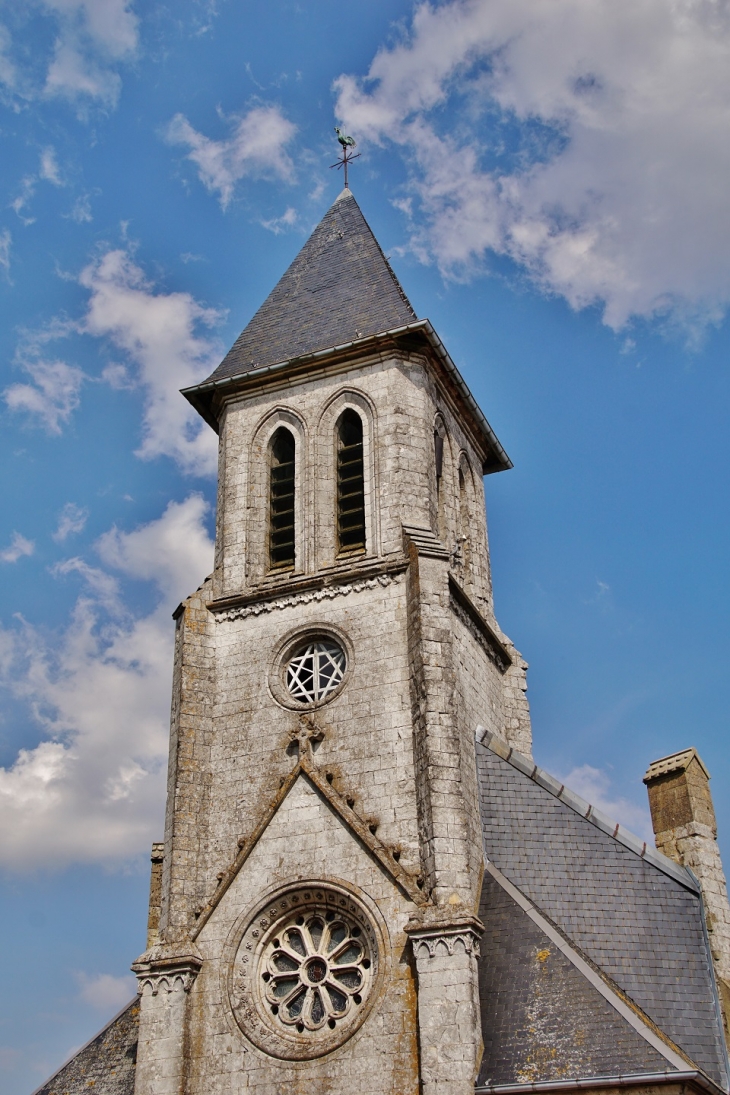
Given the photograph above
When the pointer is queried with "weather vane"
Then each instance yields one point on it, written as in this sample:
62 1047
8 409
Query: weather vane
346 144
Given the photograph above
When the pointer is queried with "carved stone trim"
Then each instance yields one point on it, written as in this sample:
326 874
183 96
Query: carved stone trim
312 596
168 975
437 942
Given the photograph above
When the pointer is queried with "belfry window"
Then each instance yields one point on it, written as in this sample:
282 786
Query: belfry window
350 484
281 500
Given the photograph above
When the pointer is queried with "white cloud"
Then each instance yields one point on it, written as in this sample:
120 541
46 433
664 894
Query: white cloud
71 520
48 171
19 204
74 75
49 167
588 140
256 148
109 24
105 992
8 74
93 789
51 397
594 785
5 244
158 333
281 224
17 548
90 38
81 210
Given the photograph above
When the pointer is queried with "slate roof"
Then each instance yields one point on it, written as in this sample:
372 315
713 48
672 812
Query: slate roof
106 1065
541 1019
339 288
640 924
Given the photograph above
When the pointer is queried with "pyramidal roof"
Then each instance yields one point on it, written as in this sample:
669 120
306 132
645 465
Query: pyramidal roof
339 288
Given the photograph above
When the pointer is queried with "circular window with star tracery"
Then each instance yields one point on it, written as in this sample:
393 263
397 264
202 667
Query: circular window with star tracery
315 669
305 972
310 667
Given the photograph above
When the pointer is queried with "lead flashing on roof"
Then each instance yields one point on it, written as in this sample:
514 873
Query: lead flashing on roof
596 817
201 395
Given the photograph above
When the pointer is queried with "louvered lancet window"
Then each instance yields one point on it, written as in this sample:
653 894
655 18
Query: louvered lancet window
350 484
281 500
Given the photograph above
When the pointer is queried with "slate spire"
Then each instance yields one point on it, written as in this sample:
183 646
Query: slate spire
339 288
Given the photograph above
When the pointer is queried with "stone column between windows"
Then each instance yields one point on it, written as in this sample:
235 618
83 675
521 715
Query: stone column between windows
449 1022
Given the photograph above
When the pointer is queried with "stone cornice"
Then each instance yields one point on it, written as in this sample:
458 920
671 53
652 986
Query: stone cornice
313 588
209 397
164 974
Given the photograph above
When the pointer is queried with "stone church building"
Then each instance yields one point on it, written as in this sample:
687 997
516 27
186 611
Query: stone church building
366 884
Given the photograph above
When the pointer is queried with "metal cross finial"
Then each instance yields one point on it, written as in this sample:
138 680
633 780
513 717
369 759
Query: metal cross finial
346 144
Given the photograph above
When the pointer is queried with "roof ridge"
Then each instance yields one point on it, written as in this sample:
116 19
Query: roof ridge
596 817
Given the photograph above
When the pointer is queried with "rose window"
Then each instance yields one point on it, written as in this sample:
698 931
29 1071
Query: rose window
315 971
306 971
315 670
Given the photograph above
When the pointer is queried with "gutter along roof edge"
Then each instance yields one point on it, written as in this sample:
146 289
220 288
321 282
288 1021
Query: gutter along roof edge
586 1083
199 395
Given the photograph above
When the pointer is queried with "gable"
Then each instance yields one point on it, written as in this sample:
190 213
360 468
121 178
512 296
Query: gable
305 837
636 922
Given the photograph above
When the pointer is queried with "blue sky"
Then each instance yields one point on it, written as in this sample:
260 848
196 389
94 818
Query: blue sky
549 182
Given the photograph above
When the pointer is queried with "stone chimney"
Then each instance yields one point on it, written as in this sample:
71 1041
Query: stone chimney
685 829
153 917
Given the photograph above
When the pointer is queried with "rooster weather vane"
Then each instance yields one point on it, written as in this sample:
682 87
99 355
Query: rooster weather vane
346 145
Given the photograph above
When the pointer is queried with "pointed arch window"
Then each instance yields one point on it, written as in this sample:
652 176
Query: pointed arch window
350 484
281 500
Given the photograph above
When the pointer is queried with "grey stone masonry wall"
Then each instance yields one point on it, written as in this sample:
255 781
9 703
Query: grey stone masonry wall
448 1002
187 818
155 908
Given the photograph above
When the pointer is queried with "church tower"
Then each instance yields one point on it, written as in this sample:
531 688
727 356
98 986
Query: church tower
322 863
367 886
